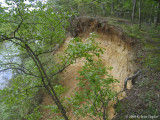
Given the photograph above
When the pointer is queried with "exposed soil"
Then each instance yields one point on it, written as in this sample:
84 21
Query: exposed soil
119 53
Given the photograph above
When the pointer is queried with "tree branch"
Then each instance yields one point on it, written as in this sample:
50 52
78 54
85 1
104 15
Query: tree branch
26 90
16 30
59 71
126 80
15 68
130 78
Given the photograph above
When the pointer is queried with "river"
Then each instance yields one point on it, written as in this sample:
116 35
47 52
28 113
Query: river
4 76
6 53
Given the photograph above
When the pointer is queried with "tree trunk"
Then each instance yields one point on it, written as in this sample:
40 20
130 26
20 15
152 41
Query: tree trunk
48 86
139 20
112 7
150 16
104 9
157 14
133 11
104 113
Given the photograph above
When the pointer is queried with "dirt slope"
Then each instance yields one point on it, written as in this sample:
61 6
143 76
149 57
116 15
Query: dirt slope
119 54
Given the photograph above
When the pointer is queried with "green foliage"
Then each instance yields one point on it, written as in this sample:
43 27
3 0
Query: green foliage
53 111
35 115
148 37
153 61
42 24
118 106
52 108
94 84
116 8
95 91
7 113
41 27
59 89
19 97
79 49
133 31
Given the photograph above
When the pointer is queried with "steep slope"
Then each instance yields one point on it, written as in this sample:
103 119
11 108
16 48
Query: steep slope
119 53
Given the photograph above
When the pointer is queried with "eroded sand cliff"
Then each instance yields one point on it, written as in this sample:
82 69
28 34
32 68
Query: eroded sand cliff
119 54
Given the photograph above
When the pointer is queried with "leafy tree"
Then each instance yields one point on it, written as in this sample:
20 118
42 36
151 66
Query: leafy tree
94 84
95 90
33 31
126 9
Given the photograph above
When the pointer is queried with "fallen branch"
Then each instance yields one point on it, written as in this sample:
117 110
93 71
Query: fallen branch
130 78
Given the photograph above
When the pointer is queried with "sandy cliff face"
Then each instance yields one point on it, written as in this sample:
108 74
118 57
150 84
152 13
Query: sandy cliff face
118 53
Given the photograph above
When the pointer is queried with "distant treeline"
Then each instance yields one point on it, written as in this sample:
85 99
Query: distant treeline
137 11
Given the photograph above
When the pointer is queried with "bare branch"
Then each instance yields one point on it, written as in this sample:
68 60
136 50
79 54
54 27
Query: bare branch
60 70
45 52
16 30
26 90
15 68
21 67
130 78
126 80
23 22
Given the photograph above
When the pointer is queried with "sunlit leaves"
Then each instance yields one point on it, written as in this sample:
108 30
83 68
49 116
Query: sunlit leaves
94 82
35 115
79 49
95 90
41 27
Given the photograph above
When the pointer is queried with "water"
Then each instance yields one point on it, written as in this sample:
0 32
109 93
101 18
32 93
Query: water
6 53
4 78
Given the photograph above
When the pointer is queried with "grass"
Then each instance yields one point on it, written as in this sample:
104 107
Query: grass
143 99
